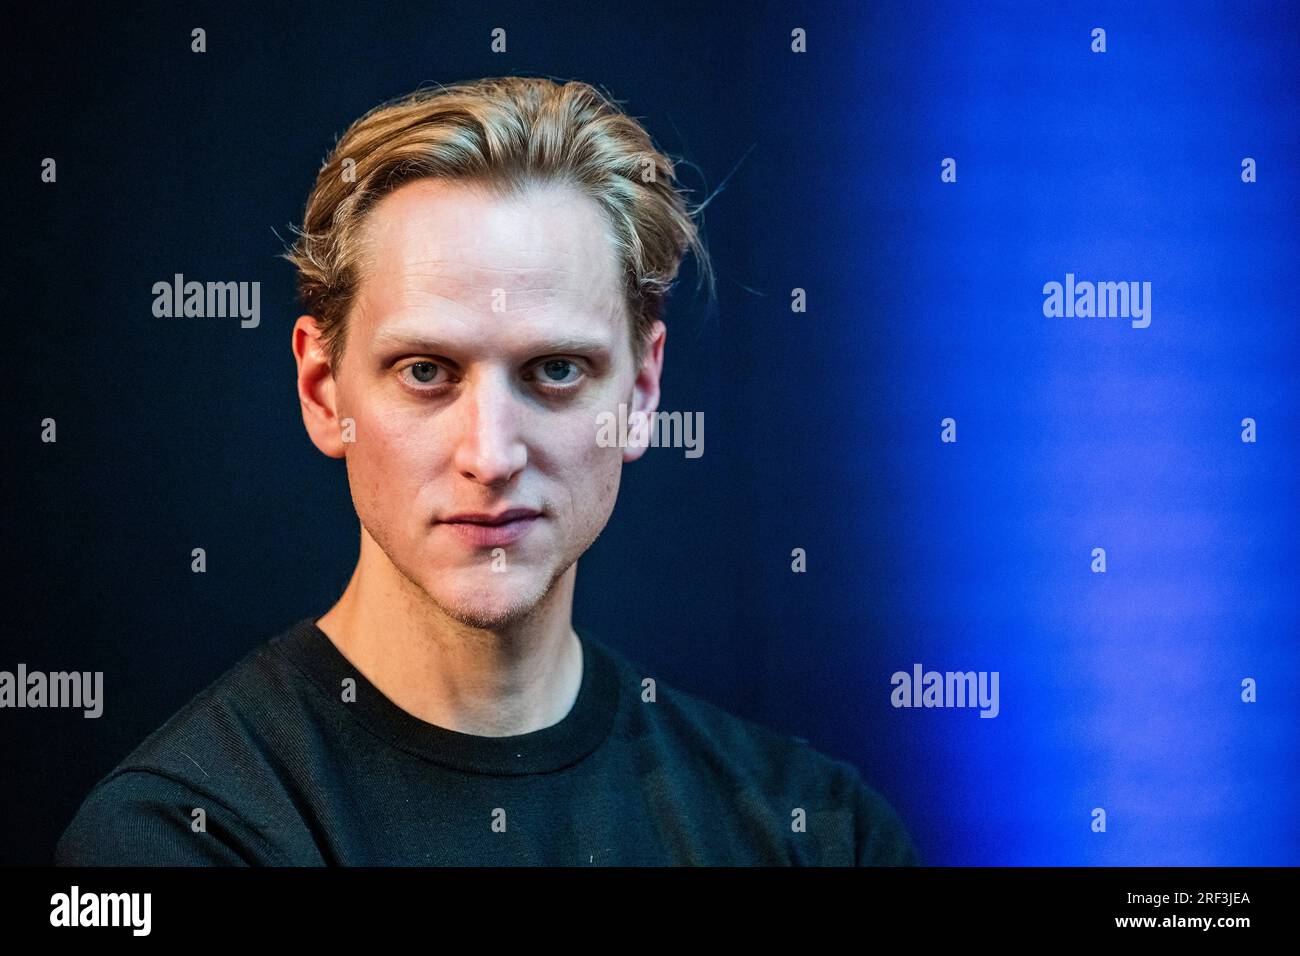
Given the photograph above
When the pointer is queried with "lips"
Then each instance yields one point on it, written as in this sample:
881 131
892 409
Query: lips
488 530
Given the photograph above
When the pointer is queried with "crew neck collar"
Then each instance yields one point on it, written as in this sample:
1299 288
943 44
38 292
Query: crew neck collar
577 734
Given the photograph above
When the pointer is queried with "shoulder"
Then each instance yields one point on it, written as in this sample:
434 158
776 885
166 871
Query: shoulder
203 787
745 755
214 734
683 718
145 818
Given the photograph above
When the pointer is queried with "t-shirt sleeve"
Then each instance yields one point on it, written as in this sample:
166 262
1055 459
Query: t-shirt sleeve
142 818
882 837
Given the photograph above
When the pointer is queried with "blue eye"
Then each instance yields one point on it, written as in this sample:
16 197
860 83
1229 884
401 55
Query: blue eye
558 371
423 372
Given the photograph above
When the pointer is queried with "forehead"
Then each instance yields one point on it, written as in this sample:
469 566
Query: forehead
455 255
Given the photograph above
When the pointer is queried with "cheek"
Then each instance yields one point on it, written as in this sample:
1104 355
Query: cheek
592 476
389 460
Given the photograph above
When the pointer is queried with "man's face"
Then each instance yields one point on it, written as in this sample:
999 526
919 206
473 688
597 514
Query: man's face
487 337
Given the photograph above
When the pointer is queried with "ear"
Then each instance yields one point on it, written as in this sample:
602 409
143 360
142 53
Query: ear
317 390
645 389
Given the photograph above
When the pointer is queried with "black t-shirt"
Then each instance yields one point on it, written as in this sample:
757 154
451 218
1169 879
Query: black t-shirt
288 772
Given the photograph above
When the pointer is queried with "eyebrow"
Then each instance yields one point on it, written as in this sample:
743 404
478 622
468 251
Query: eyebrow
388 339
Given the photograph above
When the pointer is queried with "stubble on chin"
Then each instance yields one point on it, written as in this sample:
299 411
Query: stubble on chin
482 607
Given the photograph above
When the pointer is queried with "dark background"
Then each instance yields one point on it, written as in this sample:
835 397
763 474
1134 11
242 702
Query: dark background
821 428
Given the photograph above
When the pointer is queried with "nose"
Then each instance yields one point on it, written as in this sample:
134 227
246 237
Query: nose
490 449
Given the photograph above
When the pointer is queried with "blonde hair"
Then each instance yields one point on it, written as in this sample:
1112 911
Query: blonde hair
507 133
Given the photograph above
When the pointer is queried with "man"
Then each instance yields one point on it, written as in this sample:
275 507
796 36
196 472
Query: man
483 268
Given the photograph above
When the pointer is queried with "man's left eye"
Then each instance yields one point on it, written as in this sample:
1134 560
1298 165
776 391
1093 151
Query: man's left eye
559 371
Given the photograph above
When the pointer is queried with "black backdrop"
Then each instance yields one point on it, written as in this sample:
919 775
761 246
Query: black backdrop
174 434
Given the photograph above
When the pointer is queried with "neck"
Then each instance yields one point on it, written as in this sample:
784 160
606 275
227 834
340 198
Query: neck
489 682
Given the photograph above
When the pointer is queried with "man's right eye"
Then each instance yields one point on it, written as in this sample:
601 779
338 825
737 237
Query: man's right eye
422 373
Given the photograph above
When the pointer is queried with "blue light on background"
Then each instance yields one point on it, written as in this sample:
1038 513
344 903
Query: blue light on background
1119 690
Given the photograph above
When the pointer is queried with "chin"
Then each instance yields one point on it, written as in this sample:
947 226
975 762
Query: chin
487 616
489 607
